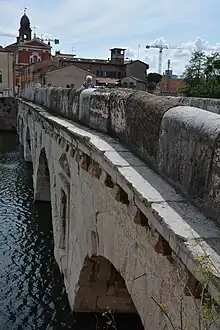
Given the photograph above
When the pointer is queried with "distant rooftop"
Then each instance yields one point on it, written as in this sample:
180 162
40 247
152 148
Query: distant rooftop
118 48
89 60
58 53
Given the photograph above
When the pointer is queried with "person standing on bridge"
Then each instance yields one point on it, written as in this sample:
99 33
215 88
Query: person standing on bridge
88 83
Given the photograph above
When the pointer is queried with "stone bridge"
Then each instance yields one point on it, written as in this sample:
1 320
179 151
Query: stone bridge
131 178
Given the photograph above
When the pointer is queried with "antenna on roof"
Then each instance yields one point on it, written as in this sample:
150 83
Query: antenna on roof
139 51
73 52
34 28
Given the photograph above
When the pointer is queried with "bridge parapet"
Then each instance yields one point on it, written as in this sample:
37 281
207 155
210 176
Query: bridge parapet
211 105
181 143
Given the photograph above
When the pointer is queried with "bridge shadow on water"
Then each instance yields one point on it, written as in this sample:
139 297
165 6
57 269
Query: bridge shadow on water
32 292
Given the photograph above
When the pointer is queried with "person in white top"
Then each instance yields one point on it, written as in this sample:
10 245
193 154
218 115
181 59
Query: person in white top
88 83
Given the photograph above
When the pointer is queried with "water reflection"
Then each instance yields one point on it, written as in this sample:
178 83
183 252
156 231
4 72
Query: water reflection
32 294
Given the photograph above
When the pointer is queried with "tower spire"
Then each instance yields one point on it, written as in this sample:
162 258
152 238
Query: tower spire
25 29
25 10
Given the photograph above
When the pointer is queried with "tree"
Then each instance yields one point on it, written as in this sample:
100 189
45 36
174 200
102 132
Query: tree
152 80
194 77
207 308
212 72
154 77
202 76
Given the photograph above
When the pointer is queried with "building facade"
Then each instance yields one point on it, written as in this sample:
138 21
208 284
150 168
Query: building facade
171 86
6 73
110 71
61 77
27 50
134 83
35 72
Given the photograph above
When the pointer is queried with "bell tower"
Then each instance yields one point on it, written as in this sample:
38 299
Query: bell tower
25 29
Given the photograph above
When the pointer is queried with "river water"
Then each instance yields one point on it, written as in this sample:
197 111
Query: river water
32 294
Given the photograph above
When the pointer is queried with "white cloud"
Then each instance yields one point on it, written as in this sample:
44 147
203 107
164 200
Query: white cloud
178 54
92 27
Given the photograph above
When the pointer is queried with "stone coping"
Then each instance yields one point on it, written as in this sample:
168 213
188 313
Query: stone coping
192 237
212 105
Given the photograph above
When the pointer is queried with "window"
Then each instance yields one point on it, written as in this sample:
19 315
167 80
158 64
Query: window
0 77
63 215
111 74
131 85
35 58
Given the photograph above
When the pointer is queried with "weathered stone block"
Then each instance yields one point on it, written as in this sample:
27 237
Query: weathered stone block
188 155
84 106
99 111
74 104
212 105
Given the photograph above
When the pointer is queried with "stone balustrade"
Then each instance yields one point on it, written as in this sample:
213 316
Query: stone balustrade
179 142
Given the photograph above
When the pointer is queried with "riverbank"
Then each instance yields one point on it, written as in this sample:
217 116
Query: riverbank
8 114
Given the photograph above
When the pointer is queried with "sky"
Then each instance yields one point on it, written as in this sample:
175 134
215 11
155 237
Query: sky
90 28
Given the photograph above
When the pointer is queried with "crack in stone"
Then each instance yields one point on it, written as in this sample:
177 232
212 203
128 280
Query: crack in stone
138 277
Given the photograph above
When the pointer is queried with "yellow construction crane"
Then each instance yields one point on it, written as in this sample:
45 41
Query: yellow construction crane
161 47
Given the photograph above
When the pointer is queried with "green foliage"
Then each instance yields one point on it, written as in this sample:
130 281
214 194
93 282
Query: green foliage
202 76
206 307
154 78
110 321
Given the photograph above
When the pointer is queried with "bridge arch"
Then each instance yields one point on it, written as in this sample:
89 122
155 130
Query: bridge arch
42 179
27 146
102 288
